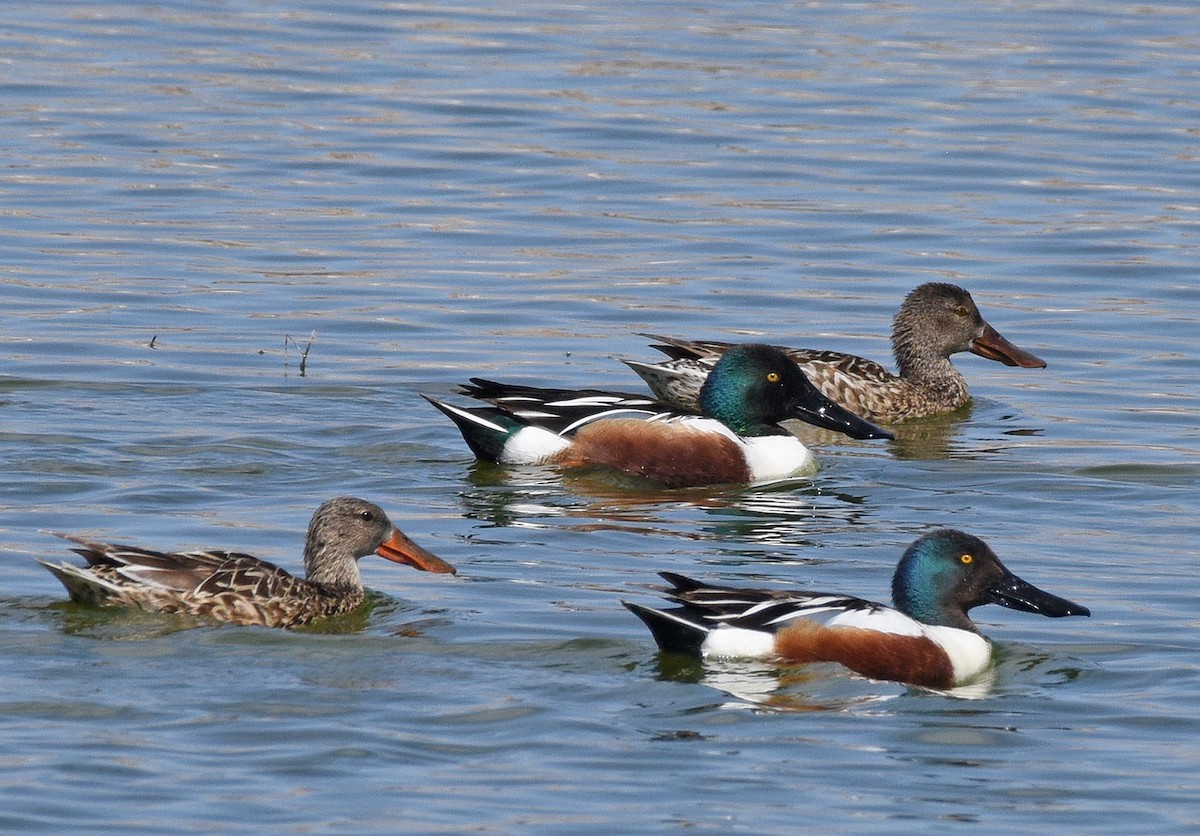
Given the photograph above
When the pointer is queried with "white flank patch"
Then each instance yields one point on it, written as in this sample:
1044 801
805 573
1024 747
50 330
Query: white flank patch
738 642
777 457
532 445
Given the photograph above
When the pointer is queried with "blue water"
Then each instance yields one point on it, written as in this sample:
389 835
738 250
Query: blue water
195 194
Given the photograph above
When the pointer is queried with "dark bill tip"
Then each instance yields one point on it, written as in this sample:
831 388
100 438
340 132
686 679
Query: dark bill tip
1014 593
822 412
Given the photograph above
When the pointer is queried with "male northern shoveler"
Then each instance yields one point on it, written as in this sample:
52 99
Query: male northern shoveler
935 321
242 589
749 391
926 640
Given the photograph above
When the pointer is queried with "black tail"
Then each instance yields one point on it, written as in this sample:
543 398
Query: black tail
682 583
672 633
485 429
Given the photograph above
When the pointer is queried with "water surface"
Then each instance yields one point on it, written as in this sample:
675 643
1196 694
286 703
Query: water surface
194 195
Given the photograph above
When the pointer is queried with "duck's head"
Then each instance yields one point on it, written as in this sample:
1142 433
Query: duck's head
939 319
345 529
754 387
945 573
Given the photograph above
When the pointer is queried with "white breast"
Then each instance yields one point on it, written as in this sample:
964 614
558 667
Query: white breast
777 457
769 457
970 653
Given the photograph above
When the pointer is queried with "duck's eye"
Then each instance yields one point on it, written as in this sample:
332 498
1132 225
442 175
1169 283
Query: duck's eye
772 377
966 559
960 310
366 516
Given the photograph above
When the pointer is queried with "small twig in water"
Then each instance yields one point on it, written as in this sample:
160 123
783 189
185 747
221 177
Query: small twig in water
288 338
153 340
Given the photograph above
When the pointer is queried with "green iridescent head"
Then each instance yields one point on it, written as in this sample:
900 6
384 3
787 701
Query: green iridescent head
754 387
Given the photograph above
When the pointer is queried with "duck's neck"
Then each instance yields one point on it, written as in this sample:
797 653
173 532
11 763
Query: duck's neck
331 571
921 601
730 409
928 613
928 369
747 428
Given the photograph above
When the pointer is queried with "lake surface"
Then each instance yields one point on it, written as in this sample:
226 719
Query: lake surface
196 194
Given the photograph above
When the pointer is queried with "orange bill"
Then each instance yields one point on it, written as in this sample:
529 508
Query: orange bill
991 345
400 549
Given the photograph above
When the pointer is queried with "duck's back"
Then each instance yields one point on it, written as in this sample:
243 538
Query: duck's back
870 390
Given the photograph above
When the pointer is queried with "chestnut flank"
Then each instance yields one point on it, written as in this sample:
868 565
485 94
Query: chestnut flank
916 660
674 454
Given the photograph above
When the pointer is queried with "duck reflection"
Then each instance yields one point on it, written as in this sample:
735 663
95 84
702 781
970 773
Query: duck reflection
790 512
765 686
926 439
950 435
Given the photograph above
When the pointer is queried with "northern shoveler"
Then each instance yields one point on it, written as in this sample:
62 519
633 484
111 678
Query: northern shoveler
926 640
749 391
935 321
238 588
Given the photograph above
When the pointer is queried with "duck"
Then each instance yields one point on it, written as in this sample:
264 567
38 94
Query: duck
926 639
735 439
935 321
239 588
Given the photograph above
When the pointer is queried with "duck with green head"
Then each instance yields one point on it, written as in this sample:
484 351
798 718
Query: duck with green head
926 639
736 437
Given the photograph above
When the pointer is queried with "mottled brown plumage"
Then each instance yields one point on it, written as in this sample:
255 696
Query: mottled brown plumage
935 321
239 588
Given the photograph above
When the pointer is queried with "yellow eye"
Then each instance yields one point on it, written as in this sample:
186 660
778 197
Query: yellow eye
966 559
772 377
961 310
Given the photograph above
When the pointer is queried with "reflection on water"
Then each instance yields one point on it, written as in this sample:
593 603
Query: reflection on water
830 687
771 687
935 437
786 516
950 435
925 439
121 623
419 628
791 512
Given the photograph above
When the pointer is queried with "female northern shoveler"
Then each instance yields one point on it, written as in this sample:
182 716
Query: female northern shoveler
242 589
927 640
749 391
935 321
